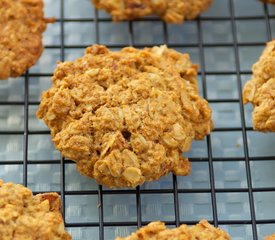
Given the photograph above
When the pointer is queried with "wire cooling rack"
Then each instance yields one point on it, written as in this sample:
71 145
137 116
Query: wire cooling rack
232 183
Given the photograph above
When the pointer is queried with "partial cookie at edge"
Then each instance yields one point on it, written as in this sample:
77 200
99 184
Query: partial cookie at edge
173 11
260 90
21 26
24 216
158 231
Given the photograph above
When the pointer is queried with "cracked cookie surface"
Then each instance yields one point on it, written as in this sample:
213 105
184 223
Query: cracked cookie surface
24 216
173 11
21 26
125 117
157 231
260 90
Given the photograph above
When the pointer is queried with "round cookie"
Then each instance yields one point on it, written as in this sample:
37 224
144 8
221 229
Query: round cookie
24 216
21 27
126 117
172 11
158 231
260 90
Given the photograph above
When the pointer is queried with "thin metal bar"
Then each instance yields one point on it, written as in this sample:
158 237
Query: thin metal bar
12 162
10 132
128 224
155 19
233 159
176 200
225 72
131 33
138 202
62 164
228 72
97 38
268 26
165 34
162 191
15 162
45 132
221 100
26 125
100 215
233 129
62 42
208 139
11 103
202 159
37 132
246 152
99 191
172 45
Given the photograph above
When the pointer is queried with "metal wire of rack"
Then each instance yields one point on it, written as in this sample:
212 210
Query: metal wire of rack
226 186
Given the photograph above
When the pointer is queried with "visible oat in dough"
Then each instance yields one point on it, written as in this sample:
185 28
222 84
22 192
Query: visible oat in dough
126 117
260 90
173 11
21 26
157 231
24 216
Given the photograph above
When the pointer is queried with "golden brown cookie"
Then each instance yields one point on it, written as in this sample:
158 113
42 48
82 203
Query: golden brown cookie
173 11
260 90
24 216
271 237
157 231
126 117
21 26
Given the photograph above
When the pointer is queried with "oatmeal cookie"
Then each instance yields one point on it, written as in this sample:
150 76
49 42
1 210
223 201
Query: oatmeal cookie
272 237
157 231
125 117
260 90
21 27
24 216
173 11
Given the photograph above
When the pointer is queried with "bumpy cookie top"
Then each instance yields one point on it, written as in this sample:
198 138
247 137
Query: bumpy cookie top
126 116
174 11
157 231
24 216
21 27
260 90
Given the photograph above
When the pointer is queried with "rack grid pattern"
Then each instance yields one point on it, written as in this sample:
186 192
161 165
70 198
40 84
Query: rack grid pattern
226 186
